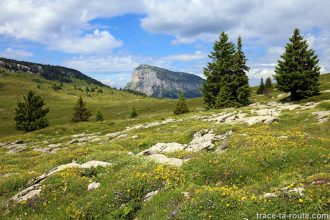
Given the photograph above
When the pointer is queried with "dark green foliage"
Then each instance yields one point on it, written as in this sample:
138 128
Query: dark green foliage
56 87
262 88
134 113
29 113
226 82
80 112
92 90
99 116
99 90
268 83
297 71
181 106
87 90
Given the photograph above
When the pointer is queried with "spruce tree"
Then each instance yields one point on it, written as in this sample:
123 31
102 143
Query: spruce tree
80 112
226 82
241 87
181 106
261 89
99 116
30 114
297 71
268 83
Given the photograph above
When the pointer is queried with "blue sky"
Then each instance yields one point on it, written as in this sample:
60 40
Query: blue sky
107 39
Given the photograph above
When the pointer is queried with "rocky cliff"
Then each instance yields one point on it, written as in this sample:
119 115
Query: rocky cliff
158 82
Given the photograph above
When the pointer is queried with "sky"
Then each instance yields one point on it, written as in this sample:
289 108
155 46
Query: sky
107 39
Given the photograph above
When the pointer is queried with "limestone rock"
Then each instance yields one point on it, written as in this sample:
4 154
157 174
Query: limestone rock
93 185
322 116
163 148
150 195
162 159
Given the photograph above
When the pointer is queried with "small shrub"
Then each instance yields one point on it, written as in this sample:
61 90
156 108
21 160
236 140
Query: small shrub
133 113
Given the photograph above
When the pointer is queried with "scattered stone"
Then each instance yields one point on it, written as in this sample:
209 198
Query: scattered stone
150 195
320 181
130 153
283 137
293 191
46 150
73 141
322 116
163 148
121 136
15 147
326 91
54 145
186 195
35 187
203 140
93 185
135 136
162 159
27 193
269 195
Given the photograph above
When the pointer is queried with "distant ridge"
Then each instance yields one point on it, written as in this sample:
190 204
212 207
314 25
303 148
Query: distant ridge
163 83
50 72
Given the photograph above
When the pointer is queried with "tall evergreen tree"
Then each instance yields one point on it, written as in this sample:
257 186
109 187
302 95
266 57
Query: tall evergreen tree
181 106
80 112
268 83
261 89
297 71
30 114
226 82
241 83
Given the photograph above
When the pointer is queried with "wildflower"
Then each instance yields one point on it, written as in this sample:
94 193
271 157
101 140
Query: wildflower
301 200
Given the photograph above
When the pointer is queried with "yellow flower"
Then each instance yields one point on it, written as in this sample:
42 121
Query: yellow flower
227 205
301 200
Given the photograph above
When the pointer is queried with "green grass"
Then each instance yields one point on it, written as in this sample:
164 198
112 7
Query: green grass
208 186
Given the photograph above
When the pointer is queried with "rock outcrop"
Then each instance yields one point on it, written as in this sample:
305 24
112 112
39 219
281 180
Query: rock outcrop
158 82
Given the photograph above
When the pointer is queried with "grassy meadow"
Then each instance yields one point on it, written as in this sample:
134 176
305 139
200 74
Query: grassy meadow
262 158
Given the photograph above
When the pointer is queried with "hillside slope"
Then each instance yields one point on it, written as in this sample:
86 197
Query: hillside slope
58 73
159 82
268 157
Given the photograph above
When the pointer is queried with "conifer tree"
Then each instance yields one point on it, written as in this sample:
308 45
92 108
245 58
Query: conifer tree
181 106
134 113
261 89
80 112
297 71
241 82
99 116
268 83
30 114
226 82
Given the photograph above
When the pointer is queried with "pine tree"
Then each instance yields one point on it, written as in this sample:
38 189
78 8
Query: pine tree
297 71
226 82
87 90
133 113
80 112
181 106
99 116
29 113
268 83
262 89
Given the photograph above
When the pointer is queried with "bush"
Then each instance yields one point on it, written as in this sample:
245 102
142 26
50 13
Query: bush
99 116
181 106
29 113
133 113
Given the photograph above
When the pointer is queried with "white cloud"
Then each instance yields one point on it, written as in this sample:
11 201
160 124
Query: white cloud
62 25
99 41
15 53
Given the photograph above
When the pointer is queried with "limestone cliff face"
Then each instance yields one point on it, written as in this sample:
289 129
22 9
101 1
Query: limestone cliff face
158 82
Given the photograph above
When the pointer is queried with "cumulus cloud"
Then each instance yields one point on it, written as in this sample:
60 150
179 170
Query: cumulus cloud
62 25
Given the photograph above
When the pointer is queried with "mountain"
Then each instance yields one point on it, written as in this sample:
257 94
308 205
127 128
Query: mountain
58 73
160 83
